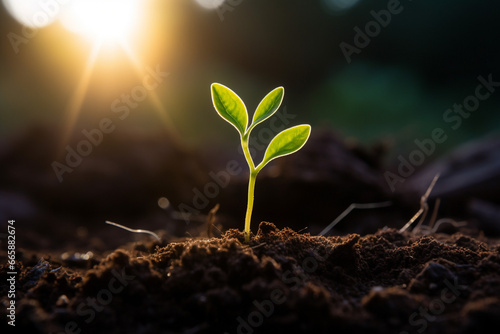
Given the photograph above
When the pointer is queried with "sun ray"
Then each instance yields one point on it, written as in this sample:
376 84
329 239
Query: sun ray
152 95
75 104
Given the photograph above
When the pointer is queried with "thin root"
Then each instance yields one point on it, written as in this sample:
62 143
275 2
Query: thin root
449 221
134 230
434 213
352 207
423 206
211 219
422 218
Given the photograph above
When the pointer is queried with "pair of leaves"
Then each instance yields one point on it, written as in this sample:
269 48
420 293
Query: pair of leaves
231 108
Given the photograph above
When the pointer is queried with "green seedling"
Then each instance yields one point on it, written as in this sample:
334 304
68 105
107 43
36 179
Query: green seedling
231 108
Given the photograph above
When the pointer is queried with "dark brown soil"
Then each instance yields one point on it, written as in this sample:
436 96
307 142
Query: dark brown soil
78 275
388 282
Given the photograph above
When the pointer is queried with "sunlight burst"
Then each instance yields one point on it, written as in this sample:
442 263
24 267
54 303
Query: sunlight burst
102 20
75 104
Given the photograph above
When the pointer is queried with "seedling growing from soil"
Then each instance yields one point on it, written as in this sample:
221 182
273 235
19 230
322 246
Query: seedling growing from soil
231 108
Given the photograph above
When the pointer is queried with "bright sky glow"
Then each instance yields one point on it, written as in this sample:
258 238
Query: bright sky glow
116 30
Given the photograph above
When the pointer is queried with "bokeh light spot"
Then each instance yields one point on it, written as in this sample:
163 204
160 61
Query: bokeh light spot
163 202
210 4
338 6
33 13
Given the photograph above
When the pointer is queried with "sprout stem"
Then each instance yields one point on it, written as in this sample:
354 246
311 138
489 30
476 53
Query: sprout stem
251 185
232 109
248 216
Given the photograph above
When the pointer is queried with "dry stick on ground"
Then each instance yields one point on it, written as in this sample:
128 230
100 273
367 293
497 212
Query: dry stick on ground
352 207
424 215
434 225
434 213
423 206
133 230
447 220
211 219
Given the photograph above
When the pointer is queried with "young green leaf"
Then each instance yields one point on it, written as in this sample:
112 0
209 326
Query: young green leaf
286 142
233 110
268 106
230 107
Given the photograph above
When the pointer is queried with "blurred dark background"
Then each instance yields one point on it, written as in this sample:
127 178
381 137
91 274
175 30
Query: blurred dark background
393 90
427 58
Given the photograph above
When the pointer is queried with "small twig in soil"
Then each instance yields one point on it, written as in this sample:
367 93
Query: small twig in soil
134 230
257 246
211 219
424 207
422 218
300 231
434 213
447 220
218 229
352 207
